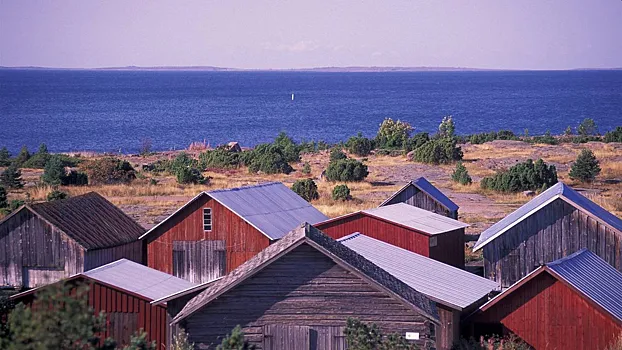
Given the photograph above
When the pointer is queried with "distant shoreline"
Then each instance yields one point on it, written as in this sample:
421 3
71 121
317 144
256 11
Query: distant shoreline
352 69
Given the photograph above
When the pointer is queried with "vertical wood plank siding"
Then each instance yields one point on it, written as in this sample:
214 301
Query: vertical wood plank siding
549 315
134 251
553 232
242 241
449 249
417 198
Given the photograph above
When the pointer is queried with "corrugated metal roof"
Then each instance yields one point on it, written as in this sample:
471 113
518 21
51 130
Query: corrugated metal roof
272 208
424 185
335 250
416 218
139 279
559 190
91 220
593 277
441 282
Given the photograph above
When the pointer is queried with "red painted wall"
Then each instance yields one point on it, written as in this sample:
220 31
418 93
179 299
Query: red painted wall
242 240
549 315
449 249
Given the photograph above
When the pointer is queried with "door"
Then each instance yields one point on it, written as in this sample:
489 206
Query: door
199 262
287 337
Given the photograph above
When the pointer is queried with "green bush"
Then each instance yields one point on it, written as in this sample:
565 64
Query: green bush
53 172
363 336
491 136
346 170
524 176
341 193
235 341
267 158
39 159
610 136
447 128
306 189
587 127
337 154
547 139
438 151
5 157
313 147
219 158
359 145
586 167
75 178
190 176
3 199
56 195
11 177
22 157
288 148
416 141
109 170
182 161
306 168
393 134
461 175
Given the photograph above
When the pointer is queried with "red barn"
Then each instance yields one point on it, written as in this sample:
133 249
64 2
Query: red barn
124 290
572 303
420 231
219 230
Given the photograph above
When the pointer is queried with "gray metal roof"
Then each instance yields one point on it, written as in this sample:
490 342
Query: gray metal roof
416 218
272 207
559 190
593 277
424 185
139 279
441 282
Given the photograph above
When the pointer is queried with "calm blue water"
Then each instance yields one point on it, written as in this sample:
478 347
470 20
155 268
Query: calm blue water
114 110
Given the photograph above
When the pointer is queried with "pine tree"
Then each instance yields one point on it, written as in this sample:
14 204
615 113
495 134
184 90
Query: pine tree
235 341
11 177
138 341
22 157
3 201
5 157
586 167
461 175
53 172
447 128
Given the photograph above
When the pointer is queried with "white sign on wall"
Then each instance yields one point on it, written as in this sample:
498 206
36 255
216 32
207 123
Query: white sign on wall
412 336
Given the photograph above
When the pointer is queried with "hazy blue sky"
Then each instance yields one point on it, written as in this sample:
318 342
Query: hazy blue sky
523 34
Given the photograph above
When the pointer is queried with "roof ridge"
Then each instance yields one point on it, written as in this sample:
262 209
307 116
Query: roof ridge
233 189
350 236
568 257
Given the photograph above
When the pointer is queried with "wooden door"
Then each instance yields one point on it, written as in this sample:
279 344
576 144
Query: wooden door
199 262
285 337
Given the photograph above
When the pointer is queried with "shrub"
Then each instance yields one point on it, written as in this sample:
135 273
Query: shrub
5 157
56 195
528 175
75 178
145 147
190 176
109 170
610 136
181 342
447 128
362 336
15 204
587 127
337 154
586 167
182 161
235 341
393 134
306 189
268 159
416 141
39 159
341 193
438 151
288 148
547 138
54 171
3 198
11 177
22 157
138 341
461 175
306 168
359 145
346 170
219 158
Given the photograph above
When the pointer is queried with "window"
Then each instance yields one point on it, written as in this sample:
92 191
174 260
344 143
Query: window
433 241
207 219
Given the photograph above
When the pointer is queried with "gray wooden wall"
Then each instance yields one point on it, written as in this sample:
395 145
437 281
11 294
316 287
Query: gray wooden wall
551 233
134 251
417 198
304 289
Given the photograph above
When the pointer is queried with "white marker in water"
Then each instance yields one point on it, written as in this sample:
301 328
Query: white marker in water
292 97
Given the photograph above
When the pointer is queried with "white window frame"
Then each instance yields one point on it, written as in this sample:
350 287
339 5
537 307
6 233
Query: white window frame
207 223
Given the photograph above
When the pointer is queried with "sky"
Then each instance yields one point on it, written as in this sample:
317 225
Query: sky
265 34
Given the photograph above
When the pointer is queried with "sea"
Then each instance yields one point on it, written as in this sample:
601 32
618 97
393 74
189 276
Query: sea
116 110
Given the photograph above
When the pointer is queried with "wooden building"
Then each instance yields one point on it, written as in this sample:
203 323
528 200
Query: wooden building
217 231
572 303
555 224
298 293
418 230
422 194
43 243
457 293
124 290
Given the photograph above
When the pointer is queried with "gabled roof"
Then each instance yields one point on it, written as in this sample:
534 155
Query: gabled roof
424 185
410 217
559 190
442 283
181 293
131 277
326 245
584 272
89 219
272 208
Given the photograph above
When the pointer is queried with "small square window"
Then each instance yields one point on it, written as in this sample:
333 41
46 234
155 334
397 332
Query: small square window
207 219
433 241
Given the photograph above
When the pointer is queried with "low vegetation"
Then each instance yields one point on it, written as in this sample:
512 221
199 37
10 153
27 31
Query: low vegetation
440 150
235 341
109 170
11 178
461 175
306 189
393 134
363 336
529 175
346 170
586 167
56 195
360 145
341 193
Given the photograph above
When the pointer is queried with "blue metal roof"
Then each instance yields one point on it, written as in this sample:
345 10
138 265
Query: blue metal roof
272 207
554 192
424 185
593 277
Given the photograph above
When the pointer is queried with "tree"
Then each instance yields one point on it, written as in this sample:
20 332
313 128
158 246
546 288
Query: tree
362 336
5 157
138 341
393 134
337 154
346 170
447 128
610 136
568 131
181 342
438 151
586 167
268 159
56 195
288 147
190 176
306 189
22 157
109 170
235 341
11 177
60 318
54 171
39 159
359 145
219 158
461 175
306 168
587 127
528 175
3 199
341 193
